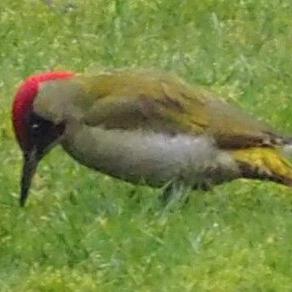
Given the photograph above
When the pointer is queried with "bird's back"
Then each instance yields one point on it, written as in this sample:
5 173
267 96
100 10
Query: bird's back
155 101
152 102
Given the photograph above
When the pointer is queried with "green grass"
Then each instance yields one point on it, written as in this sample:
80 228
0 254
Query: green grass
82 231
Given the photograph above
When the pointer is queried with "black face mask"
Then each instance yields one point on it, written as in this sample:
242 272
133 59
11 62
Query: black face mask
42 136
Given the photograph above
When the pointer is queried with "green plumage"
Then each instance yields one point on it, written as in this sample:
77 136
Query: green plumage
152 101
102 110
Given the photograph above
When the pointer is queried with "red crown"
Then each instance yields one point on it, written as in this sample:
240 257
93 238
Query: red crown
23 101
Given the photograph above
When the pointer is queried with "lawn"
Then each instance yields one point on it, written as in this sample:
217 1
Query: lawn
83 231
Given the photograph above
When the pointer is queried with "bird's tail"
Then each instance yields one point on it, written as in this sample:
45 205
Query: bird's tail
264 163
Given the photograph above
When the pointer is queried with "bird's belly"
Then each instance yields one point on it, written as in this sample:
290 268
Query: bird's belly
145 157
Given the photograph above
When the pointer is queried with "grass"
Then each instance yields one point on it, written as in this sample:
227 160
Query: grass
82 231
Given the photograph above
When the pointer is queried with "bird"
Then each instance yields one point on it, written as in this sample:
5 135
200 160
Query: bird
144 127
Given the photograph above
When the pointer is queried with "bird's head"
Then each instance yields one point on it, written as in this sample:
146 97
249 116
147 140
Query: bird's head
34 134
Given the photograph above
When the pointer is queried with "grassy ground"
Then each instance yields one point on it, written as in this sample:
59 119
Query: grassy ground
82 231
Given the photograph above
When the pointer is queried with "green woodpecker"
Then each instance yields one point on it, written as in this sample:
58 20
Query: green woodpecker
144 127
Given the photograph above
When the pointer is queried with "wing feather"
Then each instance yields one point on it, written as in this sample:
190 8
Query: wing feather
158 102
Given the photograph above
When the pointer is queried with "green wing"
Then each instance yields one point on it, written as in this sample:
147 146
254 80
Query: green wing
164 103
156 102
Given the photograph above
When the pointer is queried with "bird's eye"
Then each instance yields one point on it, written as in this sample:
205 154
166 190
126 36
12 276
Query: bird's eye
35 129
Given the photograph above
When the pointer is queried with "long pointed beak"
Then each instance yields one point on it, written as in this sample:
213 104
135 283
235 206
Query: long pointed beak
29 167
